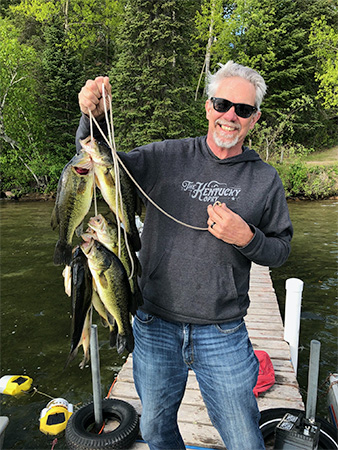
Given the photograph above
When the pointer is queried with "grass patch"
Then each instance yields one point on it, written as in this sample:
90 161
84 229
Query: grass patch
324 157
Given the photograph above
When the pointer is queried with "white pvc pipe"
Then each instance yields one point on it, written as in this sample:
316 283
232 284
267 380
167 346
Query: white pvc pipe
293 302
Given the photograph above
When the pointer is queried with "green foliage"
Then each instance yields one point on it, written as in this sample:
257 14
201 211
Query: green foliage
152 79
157 53
324 40
272 37
302 180
21 128
62 80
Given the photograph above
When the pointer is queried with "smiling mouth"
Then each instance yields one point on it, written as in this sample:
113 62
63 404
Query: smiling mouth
227 128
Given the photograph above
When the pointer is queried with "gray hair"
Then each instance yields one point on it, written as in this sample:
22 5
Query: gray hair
231 69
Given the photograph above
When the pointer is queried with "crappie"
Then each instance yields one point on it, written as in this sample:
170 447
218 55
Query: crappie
73 200
112 286
105 180
81 290
106 232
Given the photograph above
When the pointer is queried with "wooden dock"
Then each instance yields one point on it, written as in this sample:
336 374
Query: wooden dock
265 327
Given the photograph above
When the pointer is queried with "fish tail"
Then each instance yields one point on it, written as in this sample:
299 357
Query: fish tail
84 361
71 356
62 253
125 342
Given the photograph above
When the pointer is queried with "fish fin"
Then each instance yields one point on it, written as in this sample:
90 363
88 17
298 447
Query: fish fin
54 222
113 336
84 361
103 280
71 356
79 230
124 342
104 322
62 253
111 318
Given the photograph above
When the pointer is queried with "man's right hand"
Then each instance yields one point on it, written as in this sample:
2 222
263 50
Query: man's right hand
90 97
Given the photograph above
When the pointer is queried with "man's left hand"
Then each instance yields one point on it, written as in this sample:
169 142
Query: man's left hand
230 227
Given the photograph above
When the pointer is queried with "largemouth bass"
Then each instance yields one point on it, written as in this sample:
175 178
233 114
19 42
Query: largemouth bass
105 319
85 340
112 286
73 200
105 180
81 291
106 232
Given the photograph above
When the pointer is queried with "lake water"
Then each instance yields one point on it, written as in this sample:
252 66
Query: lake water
35 312
314 259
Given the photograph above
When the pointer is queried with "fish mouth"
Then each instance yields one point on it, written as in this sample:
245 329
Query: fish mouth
90 147
88 235
81 170
86 140
82 164
88 243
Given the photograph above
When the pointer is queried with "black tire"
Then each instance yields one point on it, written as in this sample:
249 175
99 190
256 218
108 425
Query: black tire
79 431
328 436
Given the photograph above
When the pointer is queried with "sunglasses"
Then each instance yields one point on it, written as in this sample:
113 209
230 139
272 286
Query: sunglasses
241 109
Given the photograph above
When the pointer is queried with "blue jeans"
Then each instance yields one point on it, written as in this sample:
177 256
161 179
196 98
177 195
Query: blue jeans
226 369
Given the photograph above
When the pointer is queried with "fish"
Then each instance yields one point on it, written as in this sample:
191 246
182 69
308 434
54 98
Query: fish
105 180
67 280
113 288
106 231
105 320
81 292
85 340
73 201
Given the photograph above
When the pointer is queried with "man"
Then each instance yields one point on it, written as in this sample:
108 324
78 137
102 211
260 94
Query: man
195 282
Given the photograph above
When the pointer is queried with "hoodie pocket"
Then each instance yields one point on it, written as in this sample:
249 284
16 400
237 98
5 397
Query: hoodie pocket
192 286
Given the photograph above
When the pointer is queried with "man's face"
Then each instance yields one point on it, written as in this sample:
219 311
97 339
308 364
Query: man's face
227 130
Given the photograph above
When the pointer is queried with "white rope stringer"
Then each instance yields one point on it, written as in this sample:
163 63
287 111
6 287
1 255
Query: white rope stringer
116 157
118 192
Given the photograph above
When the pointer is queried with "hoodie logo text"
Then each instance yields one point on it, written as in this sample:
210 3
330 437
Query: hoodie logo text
210 191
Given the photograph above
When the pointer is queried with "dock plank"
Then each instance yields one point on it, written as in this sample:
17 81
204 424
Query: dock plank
265 328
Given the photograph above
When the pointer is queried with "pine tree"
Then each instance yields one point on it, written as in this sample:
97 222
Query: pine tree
62 80
153 80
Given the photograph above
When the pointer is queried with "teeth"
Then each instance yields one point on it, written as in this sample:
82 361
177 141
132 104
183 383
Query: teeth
227 128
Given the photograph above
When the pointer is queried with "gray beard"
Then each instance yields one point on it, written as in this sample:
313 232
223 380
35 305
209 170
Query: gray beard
225 143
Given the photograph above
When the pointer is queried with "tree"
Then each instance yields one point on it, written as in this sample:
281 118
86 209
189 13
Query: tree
153 79
324 41
208 21
271 36
21 127
62 79
89 25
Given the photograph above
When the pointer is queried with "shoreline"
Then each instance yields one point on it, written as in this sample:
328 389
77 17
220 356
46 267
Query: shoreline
37 197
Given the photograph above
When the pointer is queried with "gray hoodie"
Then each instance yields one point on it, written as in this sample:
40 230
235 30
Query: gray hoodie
189 275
